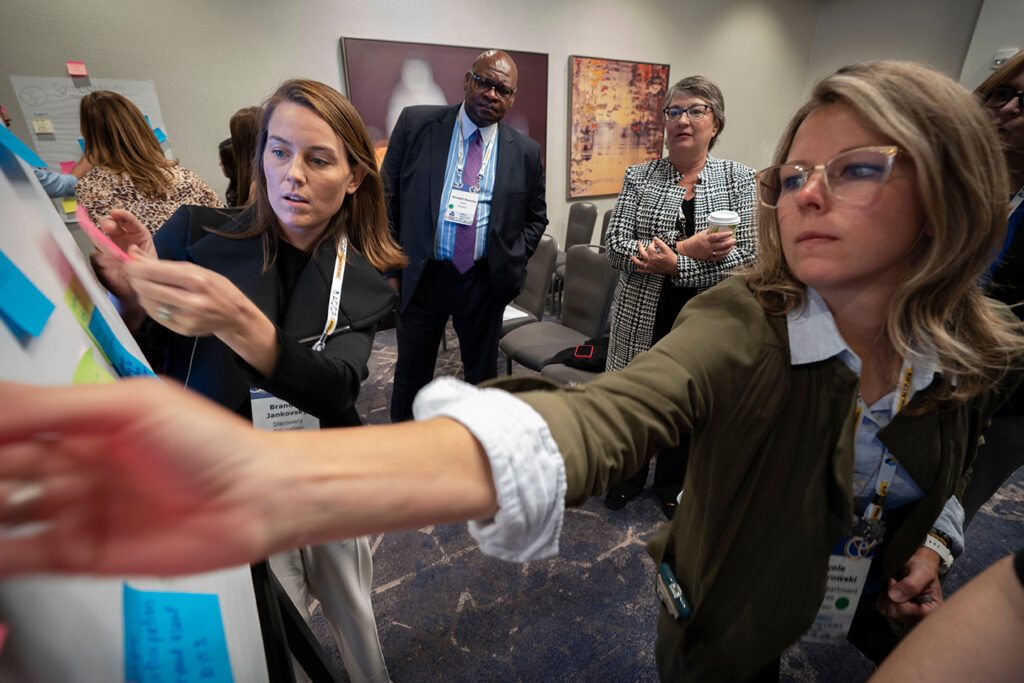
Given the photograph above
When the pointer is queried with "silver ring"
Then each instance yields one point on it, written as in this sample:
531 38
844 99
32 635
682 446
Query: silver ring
23 496
164 312
714 254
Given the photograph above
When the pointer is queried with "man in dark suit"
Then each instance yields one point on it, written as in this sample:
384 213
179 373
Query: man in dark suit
466 202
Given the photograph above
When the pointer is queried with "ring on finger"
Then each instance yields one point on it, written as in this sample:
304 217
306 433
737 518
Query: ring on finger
23 496
164 312
714 254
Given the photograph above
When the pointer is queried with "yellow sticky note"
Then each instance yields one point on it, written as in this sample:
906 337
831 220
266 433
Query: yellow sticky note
42 125
69 204
79 302
90 372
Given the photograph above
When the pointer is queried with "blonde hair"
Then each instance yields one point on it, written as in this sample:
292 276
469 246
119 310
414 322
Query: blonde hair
117 137
960 172
362 216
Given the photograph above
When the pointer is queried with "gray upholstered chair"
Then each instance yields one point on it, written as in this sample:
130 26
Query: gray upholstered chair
604 226
529 305
579 230
589 288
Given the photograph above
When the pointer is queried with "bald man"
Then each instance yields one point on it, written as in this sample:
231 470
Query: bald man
465 200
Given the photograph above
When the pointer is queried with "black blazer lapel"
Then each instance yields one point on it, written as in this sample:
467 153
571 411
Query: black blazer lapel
507 155
440 141
240 261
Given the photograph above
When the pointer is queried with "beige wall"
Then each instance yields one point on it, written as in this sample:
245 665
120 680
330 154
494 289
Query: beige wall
210 57
1000 25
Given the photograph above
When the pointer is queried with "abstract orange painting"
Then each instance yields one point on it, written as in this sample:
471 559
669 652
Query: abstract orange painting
615 121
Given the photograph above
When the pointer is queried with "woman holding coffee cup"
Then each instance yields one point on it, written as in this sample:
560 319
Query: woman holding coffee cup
663 239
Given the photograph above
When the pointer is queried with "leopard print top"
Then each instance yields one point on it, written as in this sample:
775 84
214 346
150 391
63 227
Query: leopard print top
101 190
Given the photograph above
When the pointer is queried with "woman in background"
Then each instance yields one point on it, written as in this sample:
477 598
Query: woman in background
657 238
130 171
272 312
227 167
245 128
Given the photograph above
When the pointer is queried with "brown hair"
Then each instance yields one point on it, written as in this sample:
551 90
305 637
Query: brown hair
939 308
117 137
245 129
705 89
362 216
1000 76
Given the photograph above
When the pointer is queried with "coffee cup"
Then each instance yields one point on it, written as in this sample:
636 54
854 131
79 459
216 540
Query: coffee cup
723 220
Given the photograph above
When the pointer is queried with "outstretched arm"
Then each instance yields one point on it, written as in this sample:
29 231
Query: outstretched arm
142 478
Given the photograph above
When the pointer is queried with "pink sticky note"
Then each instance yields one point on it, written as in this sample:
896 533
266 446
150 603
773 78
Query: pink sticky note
3 635
66 166
77 69
107 244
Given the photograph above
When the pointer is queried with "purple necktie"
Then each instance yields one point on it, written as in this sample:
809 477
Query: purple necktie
463 254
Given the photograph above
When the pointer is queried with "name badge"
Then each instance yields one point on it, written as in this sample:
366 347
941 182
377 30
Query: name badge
462 207
848 567
274 415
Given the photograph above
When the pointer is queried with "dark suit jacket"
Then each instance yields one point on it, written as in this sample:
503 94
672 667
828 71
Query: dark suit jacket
414 174
324 384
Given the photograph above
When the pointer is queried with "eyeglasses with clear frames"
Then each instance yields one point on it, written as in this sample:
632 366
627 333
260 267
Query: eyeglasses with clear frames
999 97
854 176
695 112
484 84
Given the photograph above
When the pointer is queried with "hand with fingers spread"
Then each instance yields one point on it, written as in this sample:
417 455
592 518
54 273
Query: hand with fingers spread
657 257
707 246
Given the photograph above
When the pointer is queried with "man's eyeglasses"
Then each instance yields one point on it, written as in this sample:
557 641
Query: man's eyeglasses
484 84
855 176
1003 94
694 113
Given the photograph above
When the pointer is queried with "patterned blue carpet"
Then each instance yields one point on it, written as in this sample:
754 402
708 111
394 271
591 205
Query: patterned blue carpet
447 612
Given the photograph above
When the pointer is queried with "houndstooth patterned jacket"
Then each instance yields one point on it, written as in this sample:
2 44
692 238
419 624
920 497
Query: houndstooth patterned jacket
647 207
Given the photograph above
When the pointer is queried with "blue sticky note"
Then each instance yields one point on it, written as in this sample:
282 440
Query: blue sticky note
174 637
160 135
22 306
125 363
11 142
81 143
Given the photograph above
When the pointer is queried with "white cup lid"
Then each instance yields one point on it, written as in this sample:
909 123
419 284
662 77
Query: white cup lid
724 217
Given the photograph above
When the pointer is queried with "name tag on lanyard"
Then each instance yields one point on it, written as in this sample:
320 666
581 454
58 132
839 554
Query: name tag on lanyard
273 414
461 207
850 560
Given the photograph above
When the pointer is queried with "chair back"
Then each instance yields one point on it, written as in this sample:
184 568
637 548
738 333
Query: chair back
589 289
538 277
582 218
604 226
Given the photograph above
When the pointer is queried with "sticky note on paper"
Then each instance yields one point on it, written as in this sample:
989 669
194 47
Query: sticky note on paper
77 69
77 299
42 125
69 204
23 307
67 166
125 363
160 135
11 142
91 371
174 637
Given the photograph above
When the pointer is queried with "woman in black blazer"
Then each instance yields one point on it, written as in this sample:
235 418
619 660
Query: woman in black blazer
271 312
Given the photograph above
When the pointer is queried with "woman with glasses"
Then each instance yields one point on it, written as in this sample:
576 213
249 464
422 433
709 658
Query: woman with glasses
657 239
835 394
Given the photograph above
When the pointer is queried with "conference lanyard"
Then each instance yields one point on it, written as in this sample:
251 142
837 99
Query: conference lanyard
334 302
887 470
460 162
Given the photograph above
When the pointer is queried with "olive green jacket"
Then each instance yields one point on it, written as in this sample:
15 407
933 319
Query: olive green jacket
769 482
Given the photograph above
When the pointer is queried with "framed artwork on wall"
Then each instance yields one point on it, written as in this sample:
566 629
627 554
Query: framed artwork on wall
384 76
615 121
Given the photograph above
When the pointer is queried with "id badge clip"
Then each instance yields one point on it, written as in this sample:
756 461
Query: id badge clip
671 594
461 207
274 415
848 567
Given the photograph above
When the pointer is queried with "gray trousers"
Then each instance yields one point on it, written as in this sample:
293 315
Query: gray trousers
339 575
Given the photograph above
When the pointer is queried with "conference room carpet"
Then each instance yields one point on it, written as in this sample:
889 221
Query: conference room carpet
446 612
